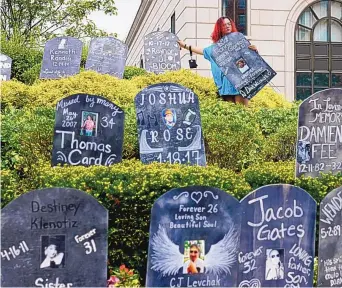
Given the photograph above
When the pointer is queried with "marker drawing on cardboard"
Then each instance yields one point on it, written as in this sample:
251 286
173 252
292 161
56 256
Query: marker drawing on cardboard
244 68
319 134
169 125
194 239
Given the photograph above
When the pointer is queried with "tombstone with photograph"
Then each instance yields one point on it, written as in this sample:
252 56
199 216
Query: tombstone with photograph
244 68
277 237
54 237
107 55
330 240
169 125
194 239
161 52
62 58
5 67
319 136
89 130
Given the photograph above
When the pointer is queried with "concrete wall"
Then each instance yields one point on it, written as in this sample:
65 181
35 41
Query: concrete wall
270 26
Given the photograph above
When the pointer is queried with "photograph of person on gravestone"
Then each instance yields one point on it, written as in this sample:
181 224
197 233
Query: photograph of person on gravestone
193 257
89 123
53 248
169 117
242 66
274 264
226 90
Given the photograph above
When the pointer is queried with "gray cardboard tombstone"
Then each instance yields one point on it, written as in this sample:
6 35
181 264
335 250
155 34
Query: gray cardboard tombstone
244 68
54 236
169 125
161 52
319 136
5 67
277 245
62 58
330 240
89 130
107 55
205 216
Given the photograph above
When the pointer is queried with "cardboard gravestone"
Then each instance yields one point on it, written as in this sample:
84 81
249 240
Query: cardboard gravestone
169 125
244 68
161 52
55 237
62 58
5 67
194 239
107 55
89 130
330 240
277 238
319 136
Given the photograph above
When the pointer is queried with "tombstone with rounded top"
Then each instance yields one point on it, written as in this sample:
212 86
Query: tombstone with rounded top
89 130
169 125
194 239
5 67
277 246
54 237
161 52
107 55
319 136
62 58
330 240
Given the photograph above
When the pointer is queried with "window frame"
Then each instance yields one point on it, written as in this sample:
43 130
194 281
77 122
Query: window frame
312 43
235 12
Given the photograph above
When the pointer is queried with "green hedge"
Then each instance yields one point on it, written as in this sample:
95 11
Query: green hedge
128 190
234 137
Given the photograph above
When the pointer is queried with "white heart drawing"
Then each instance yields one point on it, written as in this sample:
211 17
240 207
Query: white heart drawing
255 283
196 198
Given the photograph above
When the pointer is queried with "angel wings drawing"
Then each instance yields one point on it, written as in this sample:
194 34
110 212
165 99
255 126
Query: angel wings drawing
167 259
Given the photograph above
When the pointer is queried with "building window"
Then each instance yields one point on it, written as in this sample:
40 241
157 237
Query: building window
236 10
318 48
173 23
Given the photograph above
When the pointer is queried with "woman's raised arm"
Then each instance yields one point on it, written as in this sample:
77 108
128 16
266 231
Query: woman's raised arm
197 50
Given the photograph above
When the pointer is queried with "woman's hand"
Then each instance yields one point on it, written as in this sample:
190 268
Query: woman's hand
253 47
181 43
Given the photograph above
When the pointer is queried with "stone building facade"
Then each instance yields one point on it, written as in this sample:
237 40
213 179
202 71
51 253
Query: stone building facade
300 39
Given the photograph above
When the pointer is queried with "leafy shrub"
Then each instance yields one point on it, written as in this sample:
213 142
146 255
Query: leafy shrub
281 145
268 98
128 190
266 173
23 57
26 138
271 120
233 138
31 75
131 71
122 92
202 86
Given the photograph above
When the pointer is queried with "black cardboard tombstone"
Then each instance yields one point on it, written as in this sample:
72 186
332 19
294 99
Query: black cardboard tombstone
107 55
52 237
330 240
169 125
161 52
277 238
62 58
319 136
88 131
244 68
5 67
194 225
